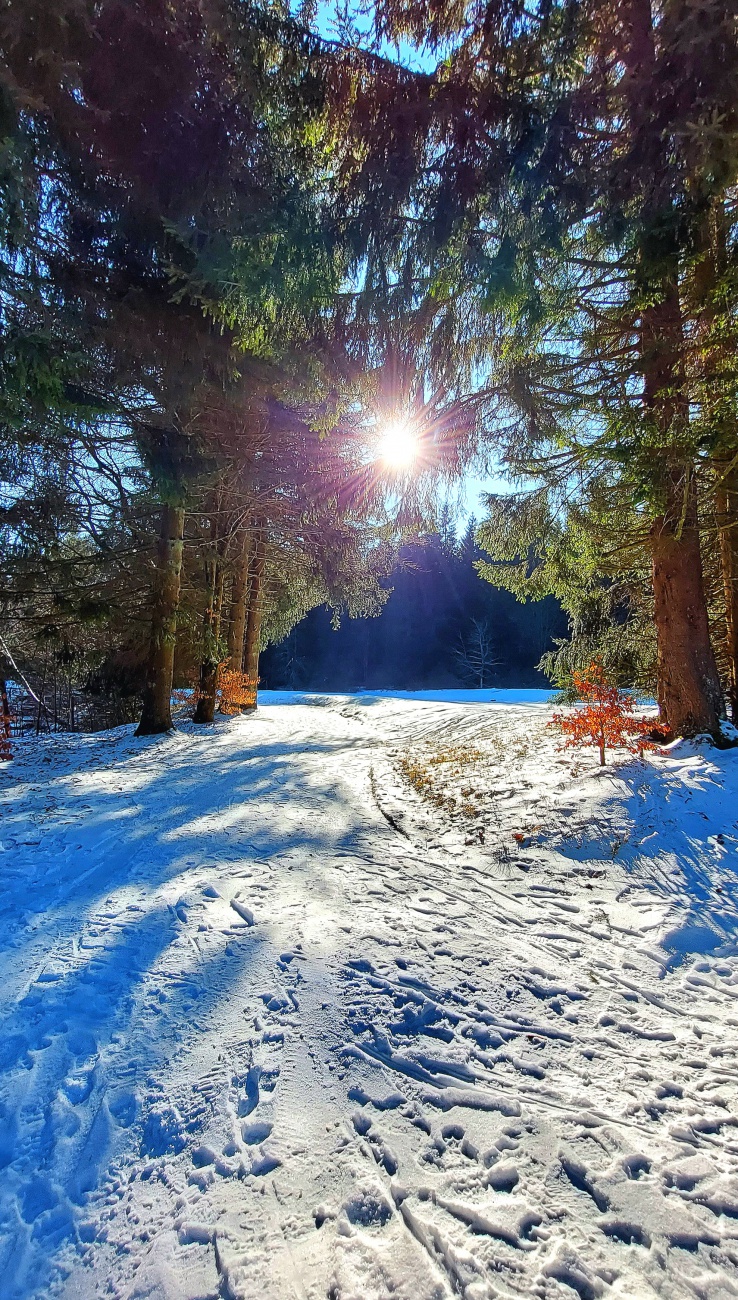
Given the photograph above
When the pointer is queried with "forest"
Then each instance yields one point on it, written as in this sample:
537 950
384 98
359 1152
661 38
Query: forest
442 625
275 279
368 649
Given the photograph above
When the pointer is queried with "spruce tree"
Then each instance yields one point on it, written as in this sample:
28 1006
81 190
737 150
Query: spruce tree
187 227
574 155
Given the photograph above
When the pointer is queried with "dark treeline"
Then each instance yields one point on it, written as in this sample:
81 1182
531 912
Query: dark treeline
442 626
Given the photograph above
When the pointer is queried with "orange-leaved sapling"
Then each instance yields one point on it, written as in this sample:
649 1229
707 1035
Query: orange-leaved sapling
605 718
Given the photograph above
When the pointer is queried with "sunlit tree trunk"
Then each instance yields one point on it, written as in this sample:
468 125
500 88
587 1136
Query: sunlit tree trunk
689 691
720 415
253 618
239 602
727 516
208 684
156 716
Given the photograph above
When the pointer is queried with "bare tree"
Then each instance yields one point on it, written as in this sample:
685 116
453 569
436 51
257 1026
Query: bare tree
475 653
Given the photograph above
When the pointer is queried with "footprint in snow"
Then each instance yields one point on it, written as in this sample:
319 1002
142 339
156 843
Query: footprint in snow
78 1086
250 1099
243 911
256 1132
382 1152
163 1131
123 1107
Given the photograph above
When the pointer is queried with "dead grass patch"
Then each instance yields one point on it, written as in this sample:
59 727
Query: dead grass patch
462 779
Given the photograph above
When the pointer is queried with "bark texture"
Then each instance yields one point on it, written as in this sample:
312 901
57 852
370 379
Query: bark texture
5 703
208 684
239 603
727 511
716 360
689 690
253 619
156 716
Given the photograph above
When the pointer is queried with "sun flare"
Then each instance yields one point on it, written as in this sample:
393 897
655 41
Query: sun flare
397 445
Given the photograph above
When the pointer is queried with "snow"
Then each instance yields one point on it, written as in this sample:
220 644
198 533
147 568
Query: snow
520 695
372 996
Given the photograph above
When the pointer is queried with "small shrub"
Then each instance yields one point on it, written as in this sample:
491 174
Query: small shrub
606 719
236 690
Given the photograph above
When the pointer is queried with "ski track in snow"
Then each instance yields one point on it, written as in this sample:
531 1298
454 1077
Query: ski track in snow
270 1028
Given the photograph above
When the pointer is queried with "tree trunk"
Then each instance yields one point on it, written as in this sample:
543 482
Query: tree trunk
715 359
208 687
6 751
727 513
210 666
689 691
156 716
253 620
690 694
41 701
5 707
239 601
5 748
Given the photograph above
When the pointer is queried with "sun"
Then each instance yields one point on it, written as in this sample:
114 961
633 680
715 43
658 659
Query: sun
397 445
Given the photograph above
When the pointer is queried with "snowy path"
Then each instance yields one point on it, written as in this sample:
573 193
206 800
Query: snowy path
270 1028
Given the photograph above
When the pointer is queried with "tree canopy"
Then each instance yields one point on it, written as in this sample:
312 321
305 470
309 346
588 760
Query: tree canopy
234 243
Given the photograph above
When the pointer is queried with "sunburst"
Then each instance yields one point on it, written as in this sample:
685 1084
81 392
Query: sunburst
397 444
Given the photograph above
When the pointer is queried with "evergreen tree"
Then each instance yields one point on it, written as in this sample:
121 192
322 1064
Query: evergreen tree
587 147
178 209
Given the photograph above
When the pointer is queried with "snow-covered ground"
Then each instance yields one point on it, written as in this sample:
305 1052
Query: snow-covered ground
367 997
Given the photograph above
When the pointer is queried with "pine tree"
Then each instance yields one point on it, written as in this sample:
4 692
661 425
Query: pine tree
187 225
575 153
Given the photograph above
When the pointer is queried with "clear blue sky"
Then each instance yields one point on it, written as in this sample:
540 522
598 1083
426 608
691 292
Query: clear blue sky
473 487
465 498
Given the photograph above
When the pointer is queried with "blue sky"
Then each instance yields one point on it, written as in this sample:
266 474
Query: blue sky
472 488
466 497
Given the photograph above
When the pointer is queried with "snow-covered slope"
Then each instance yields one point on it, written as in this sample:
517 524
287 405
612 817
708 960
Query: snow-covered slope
277 1023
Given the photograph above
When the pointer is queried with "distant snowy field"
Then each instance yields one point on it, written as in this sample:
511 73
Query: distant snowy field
490 696
370 996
